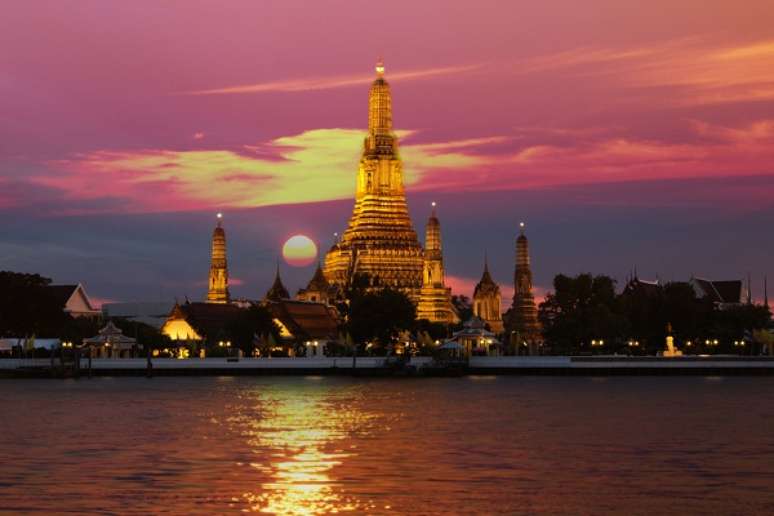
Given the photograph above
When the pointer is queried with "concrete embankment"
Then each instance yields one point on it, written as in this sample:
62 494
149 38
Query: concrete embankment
377 366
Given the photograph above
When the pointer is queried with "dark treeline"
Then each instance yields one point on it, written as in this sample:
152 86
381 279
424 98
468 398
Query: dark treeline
585 310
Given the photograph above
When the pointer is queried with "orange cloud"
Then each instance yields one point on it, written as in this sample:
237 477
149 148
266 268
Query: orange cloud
701 73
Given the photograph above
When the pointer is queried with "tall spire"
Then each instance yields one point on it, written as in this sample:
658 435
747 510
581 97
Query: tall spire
277 291
749 289
380 242
433 259
218 278
523 314
380 137
434 297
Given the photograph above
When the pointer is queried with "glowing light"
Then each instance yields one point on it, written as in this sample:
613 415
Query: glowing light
299 251
305 441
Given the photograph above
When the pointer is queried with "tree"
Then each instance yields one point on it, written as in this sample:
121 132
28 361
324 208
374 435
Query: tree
463 307
581 310
27 307
249 326
380 316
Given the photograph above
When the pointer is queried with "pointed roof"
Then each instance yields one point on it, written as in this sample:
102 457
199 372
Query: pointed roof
318 283
486 284
306 320
277 290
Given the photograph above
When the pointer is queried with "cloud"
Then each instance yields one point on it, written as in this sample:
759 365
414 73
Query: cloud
695 71
331 82
321 164
313 166
714 151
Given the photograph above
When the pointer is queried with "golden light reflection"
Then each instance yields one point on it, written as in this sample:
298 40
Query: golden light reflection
306 436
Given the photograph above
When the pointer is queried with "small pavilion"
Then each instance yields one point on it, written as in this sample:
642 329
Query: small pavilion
111 343
476 339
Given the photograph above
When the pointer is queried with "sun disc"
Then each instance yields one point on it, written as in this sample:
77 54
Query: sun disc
299 251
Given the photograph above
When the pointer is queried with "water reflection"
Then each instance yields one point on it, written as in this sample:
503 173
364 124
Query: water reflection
304 434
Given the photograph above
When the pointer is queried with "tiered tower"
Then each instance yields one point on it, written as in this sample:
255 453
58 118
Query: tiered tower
486 301
523 323
380 241
434 298
218 282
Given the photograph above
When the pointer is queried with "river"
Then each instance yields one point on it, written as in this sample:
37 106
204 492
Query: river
317 445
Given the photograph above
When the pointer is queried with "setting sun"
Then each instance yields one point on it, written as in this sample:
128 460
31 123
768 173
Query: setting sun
299 251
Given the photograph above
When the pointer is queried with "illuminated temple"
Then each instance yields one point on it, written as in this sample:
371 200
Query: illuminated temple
380 241
435 297
218 279
522 317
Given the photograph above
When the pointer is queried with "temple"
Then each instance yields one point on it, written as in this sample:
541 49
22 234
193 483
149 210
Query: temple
486 301
435 297
218 281
380 241
318 290
277 292
522 317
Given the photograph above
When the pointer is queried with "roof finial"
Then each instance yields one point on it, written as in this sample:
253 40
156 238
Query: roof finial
380 67
220 218
433 205
521 228
486 261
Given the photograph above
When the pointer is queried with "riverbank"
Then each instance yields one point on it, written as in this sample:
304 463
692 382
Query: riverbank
379 366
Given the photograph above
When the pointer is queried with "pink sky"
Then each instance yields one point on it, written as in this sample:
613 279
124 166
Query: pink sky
158 107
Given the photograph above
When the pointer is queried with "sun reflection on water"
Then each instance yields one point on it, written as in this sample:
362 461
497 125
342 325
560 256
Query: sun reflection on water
306 435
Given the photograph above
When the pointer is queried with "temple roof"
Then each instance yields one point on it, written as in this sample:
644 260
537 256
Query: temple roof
318 283
277 290
487 284
305 320
208 319
719 291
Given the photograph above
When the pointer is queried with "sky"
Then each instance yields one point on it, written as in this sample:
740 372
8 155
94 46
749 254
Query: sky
626 135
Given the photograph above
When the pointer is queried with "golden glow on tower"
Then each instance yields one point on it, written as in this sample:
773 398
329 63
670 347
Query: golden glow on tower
523 313
486 301
380 241
218 278
434 298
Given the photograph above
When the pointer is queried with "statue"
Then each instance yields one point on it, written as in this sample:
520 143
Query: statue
671 351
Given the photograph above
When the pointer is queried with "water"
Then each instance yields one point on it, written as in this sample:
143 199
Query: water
574 445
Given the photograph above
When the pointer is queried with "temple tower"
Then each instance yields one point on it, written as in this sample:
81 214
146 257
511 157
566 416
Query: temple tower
218 281
523 321
487 301
380 241
434 298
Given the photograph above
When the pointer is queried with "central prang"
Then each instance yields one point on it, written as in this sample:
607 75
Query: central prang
380 242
